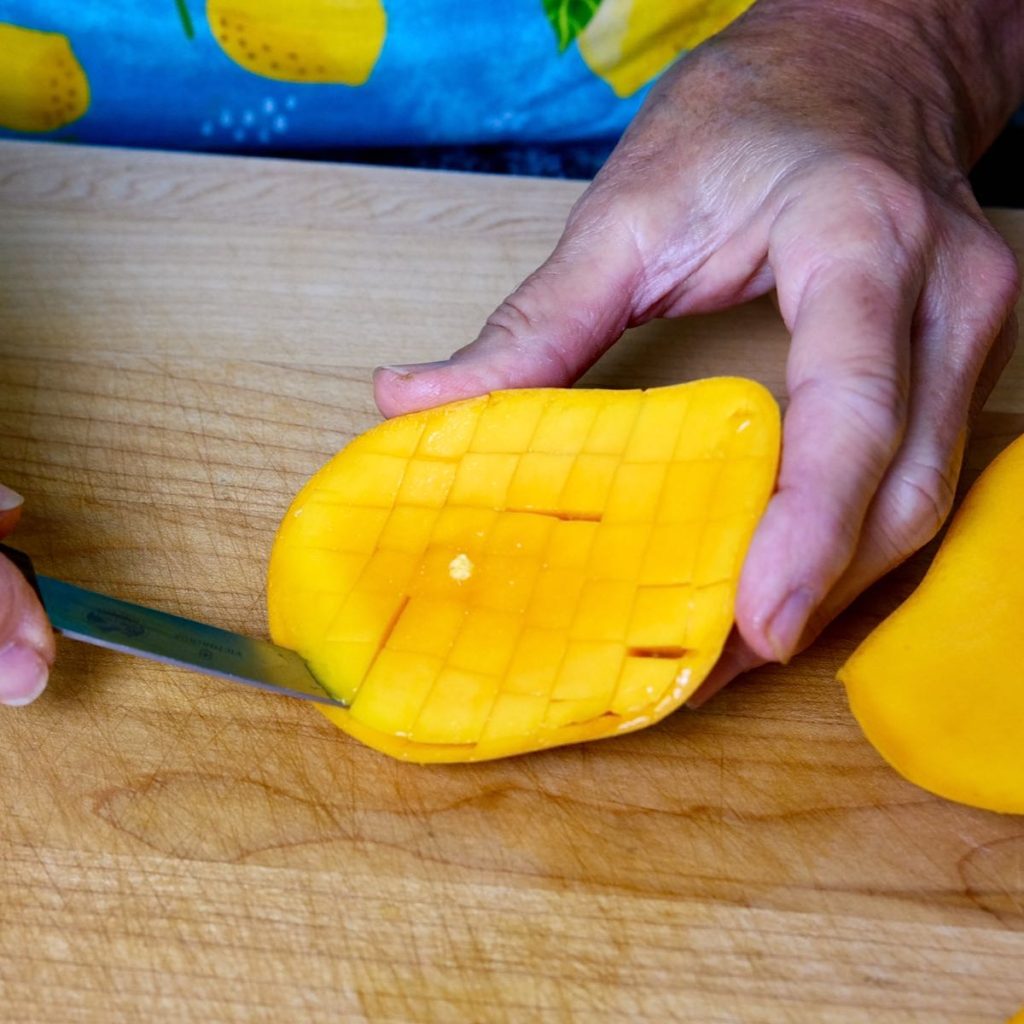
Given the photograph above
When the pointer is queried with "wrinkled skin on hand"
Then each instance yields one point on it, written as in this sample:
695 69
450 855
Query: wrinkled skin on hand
824 155
26 640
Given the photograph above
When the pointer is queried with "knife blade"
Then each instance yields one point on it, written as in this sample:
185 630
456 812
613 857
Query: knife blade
95 618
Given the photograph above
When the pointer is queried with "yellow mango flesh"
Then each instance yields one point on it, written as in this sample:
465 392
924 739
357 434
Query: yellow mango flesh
42 85
321 41
525 569
938 687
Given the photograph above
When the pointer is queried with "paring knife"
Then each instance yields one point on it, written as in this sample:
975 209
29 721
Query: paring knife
107 622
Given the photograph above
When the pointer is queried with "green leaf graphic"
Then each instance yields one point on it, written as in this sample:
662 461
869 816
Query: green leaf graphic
569 18
186 20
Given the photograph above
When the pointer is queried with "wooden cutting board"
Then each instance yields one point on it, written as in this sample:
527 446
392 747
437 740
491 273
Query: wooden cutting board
183 340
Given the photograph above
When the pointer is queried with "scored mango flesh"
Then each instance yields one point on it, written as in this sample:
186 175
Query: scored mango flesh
527 568
938 687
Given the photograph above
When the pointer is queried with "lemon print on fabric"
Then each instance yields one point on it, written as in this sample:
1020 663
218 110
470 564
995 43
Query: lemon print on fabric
323 41
629 42
42 85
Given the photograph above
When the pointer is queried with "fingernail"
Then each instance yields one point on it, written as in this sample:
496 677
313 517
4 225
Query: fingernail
726 669
9 499
786 626
704 694
411 369
23 674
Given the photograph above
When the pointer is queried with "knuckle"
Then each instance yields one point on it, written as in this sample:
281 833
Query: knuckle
513 317
872 270
589 209
868 396
608 205
878 406
898 207
1000 273
919 499
977 297
518 327
867 208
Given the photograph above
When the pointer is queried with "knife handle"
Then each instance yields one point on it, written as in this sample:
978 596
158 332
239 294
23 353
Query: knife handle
24 565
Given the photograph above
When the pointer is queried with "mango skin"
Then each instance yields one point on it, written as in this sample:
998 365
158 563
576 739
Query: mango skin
938 687
525 569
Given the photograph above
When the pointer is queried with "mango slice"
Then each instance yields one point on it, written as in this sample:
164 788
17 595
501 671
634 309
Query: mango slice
938 687
525 569
304 41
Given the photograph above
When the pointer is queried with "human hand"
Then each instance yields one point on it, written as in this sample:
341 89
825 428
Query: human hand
27 647
820 151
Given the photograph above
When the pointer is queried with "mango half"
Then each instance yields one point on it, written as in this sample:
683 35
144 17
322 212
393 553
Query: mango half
938 687
525 569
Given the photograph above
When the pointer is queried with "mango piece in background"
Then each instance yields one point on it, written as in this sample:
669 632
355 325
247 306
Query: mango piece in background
938 687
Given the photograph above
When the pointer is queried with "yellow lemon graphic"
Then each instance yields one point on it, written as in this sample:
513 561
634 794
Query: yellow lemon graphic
326 41
42 85
629 42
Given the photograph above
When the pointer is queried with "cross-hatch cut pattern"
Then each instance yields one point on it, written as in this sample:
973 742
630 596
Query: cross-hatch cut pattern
528 568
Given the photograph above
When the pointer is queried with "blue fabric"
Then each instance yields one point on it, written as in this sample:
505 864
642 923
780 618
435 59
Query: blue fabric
448 84
449 73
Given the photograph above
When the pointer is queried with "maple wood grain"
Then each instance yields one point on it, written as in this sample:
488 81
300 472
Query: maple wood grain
183 340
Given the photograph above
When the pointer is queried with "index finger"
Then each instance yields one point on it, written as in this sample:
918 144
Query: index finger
847 379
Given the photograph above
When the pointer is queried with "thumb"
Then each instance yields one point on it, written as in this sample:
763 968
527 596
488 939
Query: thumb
545 334
26 640
10 510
